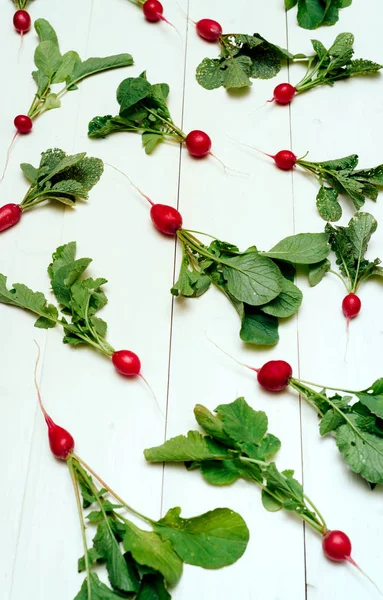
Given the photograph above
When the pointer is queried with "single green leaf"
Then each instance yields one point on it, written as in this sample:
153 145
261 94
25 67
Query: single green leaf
236 72
151 140
360 229
93 558
153 588
328 205
310 13
98 590
65 70
343 43
52 101
182 448
270 503
147 548
23 297
266 62
132 90
47 58
252 278
121 576
331 421
373 176
213 540
91 66
362 67
209 73
362 451
242 423
30 172
258 328
318 271
45 31
372 398
302 249
212 424
319 48
42 82
226 472
286 303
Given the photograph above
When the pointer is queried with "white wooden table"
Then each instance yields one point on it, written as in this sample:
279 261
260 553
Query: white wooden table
114 419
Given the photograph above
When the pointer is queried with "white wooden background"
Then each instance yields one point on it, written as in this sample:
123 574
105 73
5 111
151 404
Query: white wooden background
114 419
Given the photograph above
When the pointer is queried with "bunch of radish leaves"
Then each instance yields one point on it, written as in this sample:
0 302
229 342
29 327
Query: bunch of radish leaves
144 563
259 285
314 13
238 446
60 177
68 69
242 58
79 298
349 245
142 109
326 66
340 176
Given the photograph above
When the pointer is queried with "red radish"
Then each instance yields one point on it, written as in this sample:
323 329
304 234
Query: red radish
166 218
60 440
152 10
22 21
198 143
10 215
275 375
284 159
284 93
351 306
126 362
336 546
23 123
208 29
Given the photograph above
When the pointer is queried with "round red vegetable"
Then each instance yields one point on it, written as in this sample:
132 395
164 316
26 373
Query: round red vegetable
198 143
284 93
166 218
208 29
285 159
10 214
60 440
153 10
23 123
351 306
275 375
336 546
126 362
22 21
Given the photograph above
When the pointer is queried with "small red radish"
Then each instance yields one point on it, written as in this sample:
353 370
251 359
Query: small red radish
10 215
23 123
284 93
166 218
22 21
275 375
351 306
284 159
126 362
336 546
208 29
198 143
152 10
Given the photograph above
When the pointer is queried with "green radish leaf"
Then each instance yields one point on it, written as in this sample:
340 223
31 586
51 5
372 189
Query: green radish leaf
47 58
147 548
132 90
362 67
98 590
121 575
258 328
235 72
93 558
318 271
343 42
191 283
91 66
302 249
182 448
372 398
153 588
65 70
242 423
23 297
52 101
287 303
213 540
226 472
151 140
328 205
360 229
290 4
252 278
331 421
373 176
310 13
362 451
46 32
210 74
30 172
212 424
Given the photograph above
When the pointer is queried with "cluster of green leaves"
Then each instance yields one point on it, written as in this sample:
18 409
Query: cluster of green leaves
313 13
237 446
54 67
342 178
349 245
61 177
328 66
356 424
79 298
143 564
259 285
242 58
142 108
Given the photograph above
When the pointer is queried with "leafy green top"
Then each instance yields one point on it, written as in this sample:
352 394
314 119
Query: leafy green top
142 108
79 298
349 245
341 177
258 284
21 4
237 445
145 563
314 13
54 67
61 177
243 57
327 66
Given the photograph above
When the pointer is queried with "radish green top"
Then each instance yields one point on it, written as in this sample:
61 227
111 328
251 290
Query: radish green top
314 13
55 68
21 4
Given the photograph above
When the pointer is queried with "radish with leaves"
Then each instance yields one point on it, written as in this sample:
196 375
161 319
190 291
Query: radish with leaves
315 13
335 177
141 562
259 285
143 109
79 299
327 66
349 245
21 18
355 418
236 445
59 177
242 58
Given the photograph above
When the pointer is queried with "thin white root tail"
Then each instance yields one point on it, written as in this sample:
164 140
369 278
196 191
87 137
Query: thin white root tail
8 155
131 183
354 564
153 394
